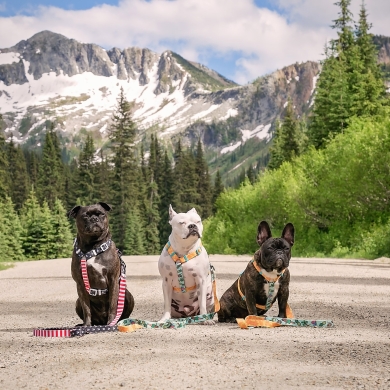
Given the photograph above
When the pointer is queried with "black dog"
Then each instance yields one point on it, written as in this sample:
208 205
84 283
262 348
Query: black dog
99 306
250 292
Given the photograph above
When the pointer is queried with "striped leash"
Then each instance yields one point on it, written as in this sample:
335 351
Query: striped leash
82 330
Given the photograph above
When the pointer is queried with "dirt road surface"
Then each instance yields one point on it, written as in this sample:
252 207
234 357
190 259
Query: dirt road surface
355 354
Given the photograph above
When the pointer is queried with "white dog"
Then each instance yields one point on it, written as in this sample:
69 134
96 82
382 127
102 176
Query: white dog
185 269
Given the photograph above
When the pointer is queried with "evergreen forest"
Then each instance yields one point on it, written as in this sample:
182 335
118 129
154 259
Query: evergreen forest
38 189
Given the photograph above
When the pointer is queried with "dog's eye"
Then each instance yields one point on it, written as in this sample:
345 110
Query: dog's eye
182 223
198 222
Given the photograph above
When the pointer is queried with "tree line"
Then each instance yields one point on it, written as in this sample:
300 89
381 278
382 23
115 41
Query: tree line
37 189
350 85
329 172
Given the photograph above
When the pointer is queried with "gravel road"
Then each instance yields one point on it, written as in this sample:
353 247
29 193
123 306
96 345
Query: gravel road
355 354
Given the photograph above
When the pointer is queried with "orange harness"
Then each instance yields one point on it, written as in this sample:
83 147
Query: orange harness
269 280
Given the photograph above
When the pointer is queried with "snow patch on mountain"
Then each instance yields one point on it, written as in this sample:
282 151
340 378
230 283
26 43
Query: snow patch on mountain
230 148
9 58
261 132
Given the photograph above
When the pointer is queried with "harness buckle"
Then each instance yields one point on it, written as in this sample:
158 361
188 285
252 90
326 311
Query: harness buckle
104 246
93 292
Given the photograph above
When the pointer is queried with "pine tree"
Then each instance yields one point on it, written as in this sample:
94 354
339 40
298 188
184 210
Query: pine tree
350 83
134 237
250 174
71 184
103 179
47 239
276 151
17 173
218 189
86 173
166 190
287 140
367 81
204 183
51 178
30 219
126 172
4 178
152 218
186 194
32 162
62 231
11 232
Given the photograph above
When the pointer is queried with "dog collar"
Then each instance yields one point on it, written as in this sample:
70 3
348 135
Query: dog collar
92 253
268 279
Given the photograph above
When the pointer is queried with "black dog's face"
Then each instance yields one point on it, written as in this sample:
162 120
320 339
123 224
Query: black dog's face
275 252
91 220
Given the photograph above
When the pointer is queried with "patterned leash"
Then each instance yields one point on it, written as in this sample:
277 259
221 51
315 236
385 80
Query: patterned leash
273 322
131 324
82 330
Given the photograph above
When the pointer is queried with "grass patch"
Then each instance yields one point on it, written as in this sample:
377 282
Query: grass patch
4 266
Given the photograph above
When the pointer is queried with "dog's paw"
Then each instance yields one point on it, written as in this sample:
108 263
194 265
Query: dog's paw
208 322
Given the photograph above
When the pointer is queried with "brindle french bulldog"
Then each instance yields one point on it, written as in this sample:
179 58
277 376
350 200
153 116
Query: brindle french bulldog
104 269
272 260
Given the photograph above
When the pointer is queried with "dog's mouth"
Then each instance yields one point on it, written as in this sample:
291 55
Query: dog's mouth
193 232
93 229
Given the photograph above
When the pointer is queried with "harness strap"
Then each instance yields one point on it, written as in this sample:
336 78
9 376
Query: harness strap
178 262
262 307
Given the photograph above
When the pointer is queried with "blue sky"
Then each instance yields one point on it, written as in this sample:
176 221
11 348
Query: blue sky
241 39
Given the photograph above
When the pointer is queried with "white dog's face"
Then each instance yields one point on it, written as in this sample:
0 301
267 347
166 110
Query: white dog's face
186 225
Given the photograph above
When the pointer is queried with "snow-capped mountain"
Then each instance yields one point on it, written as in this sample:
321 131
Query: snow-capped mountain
51 77
76 86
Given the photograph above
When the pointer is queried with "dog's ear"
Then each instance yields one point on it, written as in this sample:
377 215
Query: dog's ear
73 213
288 233
106 206
172 213
263 232
192 211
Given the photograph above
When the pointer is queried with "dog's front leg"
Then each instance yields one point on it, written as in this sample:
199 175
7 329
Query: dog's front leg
201 284
167 292
113 295
283 295
250 300
85 305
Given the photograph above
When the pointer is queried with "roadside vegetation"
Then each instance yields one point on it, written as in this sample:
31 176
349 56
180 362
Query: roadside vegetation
329 174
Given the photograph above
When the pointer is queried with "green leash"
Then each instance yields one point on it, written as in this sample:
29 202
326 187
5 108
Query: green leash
172 323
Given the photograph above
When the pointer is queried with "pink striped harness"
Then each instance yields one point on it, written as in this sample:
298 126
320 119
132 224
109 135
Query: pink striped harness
93 291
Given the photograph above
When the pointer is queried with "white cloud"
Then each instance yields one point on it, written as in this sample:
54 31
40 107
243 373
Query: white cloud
264 39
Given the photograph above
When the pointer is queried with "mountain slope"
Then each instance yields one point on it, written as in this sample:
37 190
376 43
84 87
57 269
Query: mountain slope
49 77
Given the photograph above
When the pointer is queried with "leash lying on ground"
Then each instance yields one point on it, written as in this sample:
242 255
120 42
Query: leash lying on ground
273 322
127 325
82 330
74 331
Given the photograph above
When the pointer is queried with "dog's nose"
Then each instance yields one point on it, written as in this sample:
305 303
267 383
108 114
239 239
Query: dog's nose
94 218
192 226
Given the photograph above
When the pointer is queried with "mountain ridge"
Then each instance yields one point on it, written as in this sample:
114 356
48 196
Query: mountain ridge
49 77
